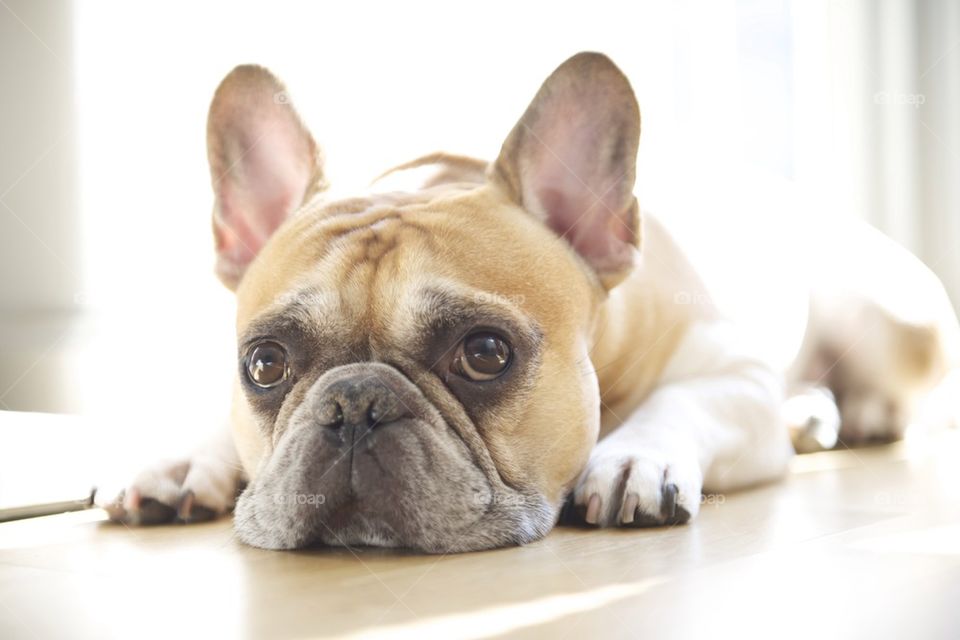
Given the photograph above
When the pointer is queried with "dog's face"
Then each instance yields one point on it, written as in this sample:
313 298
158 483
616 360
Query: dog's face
414 368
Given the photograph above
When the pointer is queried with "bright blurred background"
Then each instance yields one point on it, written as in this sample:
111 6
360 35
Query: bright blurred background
108 305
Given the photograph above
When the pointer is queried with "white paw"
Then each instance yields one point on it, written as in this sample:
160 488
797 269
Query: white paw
637 489
867 417
194 490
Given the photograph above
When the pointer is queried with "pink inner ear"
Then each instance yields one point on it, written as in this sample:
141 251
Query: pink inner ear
581 192
240 235
572 157
600 236
268 170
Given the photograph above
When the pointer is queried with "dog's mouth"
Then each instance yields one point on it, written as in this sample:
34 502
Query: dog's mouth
370 461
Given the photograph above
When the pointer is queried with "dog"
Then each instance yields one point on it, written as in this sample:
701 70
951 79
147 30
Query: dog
445 368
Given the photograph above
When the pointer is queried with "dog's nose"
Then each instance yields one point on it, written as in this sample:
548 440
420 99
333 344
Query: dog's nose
361 403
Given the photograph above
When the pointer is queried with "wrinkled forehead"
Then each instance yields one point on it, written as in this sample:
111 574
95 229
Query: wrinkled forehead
343 247
352 259
392 268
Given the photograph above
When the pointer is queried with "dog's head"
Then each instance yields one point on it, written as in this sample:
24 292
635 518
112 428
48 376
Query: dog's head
414 368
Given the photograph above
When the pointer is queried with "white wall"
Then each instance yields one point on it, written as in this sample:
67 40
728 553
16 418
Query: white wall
937 74
38 190
39 254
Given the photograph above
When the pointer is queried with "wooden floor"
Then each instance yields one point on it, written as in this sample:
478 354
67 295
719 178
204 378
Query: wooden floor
861 544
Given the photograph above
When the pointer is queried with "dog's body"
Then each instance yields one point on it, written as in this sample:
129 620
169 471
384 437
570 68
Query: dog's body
432 368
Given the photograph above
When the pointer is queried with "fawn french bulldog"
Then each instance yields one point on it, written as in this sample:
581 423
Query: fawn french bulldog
441 368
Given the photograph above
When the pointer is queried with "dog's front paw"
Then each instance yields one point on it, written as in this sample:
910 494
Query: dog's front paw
635 490
193 490
870 418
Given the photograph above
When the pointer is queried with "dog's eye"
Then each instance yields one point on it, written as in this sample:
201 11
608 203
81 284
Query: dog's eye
482 356
267 364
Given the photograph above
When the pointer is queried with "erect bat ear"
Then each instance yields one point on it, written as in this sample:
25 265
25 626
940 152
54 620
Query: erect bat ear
571 161
263 165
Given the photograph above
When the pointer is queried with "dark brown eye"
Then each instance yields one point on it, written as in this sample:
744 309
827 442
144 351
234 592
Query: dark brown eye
267 364
482 356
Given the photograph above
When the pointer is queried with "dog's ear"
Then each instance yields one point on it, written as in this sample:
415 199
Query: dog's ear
571 160
263 164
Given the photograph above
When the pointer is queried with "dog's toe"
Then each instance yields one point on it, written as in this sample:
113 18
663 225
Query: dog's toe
174 492
190 510
152 512
671 511
634 491
130 508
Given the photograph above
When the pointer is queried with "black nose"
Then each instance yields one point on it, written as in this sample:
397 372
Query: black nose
360 402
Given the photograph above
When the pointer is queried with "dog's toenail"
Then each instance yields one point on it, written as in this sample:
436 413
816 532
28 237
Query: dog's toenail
669 506
593 509
629 508
186 505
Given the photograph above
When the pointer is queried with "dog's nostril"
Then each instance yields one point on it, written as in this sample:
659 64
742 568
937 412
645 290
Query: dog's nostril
382 412
336 419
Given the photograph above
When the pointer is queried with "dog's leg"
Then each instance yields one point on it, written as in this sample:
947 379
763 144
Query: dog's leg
878 366
201 487
714 422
